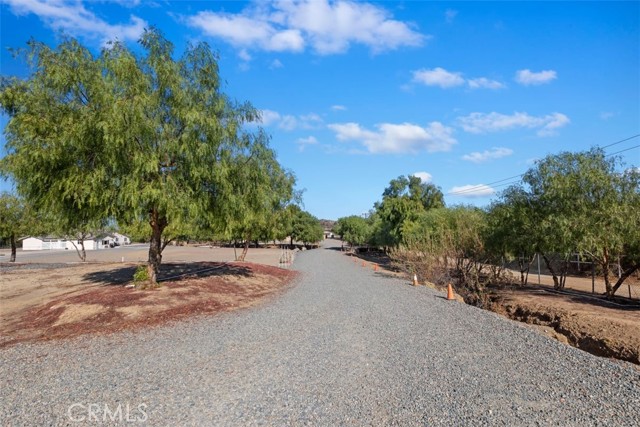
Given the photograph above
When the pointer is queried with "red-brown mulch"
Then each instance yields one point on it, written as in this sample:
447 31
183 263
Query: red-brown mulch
111 308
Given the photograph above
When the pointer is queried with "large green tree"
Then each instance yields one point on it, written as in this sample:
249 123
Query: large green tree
403 201
584 202
124 135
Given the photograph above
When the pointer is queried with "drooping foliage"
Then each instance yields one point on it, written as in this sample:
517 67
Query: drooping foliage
588 203
585 202
17 219
123 135
258 193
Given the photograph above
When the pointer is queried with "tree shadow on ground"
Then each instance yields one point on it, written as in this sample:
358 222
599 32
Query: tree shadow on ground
170 272
337 248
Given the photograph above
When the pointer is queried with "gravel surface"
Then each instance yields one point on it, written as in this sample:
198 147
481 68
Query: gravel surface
345 346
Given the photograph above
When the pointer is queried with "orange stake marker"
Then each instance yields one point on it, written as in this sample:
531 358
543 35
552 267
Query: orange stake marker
450 293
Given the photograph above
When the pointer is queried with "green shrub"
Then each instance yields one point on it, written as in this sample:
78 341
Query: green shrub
141 274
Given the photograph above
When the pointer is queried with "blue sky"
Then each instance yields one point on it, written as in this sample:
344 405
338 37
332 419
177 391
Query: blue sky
354 94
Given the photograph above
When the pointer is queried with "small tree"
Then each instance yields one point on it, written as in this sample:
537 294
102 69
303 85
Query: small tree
258 192
353 229
306 228
15 219
511 230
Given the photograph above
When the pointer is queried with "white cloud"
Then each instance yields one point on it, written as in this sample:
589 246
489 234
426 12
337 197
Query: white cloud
338 107
447 79
328 27
424 176
438 77
290 122
494 153
275 64
310 140
243 31
471 191
528 77
606 115
484 83
450 15
397 138
304 142
496 122
269 117
126 3
244 55
73 18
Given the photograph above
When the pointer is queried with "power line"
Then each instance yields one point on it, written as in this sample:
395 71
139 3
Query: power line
621 141
479 187
483 185
475 188
622 151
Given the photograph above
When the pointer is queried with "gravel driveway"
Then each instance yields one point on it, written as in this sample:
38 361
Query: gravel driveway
345 346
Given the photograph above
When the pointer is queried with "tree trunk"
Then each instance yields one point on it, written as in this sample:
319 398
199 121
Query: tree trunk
245 249
83 255
13 248
556 282
605 274
625 274
158 224
524 269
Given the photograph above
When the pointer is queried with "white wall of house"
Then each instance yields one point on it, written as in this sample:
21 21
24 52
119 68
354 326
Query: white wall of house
89 245
32 244
121 239
47 244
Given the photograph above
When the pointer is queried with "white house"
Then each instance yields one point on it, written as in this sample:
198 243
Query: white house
121 239
44 243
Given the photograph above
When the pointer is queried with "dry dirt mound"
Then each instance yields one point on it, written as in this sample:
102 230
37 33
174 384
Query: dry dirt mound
597 327
106 308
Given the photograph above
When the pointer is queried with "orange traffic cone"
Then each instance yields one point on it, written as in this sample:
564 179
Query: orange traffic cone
450 292
415 280
363 263
375 267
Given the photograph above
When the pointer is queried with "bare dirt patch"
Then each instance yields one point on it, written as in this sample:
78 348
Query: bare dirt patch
53 303
589 323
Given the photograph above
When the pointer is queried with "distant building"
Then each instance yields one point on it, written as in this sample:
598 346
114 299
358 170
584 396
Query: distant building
46 243
121 239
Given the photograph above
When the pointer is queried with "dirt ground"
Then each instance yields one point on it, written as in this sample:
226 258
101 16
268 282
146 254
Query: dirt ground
55 300
140 253
575 316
